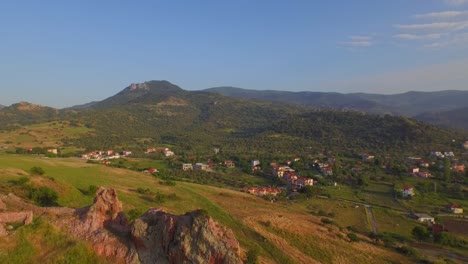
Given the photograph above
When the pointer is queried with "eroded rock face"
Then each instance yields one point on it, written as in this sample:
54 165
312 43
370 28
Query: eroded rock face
156 237
160 237
104 225
25 218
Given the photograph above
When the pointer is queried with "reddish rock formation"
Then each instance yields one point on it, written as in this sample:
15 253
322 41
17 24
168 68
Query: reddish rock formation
160 237
14 217
156 237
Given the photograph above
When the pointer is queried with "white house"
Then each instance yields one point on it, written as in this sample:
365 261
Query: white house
408 191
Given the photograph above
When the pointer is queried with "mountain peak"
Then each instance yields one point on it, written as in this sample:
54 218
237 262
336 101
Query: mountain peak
135 86
151 85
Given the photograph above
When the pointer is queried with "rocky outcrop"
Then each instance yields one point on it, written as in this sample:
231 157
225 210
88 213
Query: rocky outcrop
14 217
104 225
156 237
160 237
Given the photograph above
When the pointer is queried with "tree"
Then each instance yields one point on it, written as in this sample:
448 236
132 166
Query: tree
37 171
420 233
447 171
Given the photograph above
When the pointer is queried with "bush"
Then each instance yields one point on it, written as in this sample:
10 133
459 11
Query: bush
92 189
326 221
252 256
405 250
37 171
159 198
22 181
44 196
353 237
133 214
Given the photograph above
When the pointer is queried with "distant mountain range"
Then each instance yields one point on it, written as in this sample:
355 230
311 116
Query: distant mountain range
457 118
420 105
159 112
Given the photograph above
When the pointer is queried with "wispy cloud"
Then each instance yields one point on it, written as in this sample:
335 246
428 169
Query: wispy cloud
360 38
458 39
359 41
453 26
456 2
417 37
442 15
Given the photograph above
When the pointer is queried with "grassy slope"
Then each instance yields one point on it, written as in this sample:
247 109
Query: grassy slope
293 236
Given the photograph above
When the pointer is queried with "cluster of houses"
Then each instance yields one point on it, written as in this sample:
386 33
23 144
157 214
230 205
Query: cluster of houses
166 151
419 166
289 175
441 155
262 191
105 155
425 218
209 166
465 145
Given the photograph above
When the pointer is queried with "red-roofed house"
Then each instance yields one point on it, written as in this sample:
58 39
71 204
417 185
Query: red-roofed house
454 209
408 191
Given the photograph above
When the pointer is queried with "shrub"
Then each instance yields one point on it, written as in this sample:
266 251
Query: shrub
37 171
353 237
326 221
252 256
405 250
44 196
134 214
92 189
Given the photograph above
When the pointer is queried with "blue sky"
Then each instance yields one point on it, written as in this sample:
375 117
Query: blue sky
60 53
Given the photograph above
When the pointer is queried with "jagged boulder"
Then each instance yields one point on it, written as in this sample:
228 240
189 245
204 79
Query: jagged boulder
160 237
106 212
105 226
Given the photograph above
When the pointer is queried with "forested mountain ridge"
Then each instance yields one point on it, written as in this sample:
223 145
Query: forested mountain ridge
407 104
456 118
158 112
313 99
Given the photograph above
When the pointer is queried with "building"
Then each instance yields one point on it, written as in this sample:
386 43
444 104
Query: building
465 145
53 151
424 174
367 156
229 164
408 191
458 168
201 166
414 170
168 153
254 163
126 153
454 209
423 218
187 166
